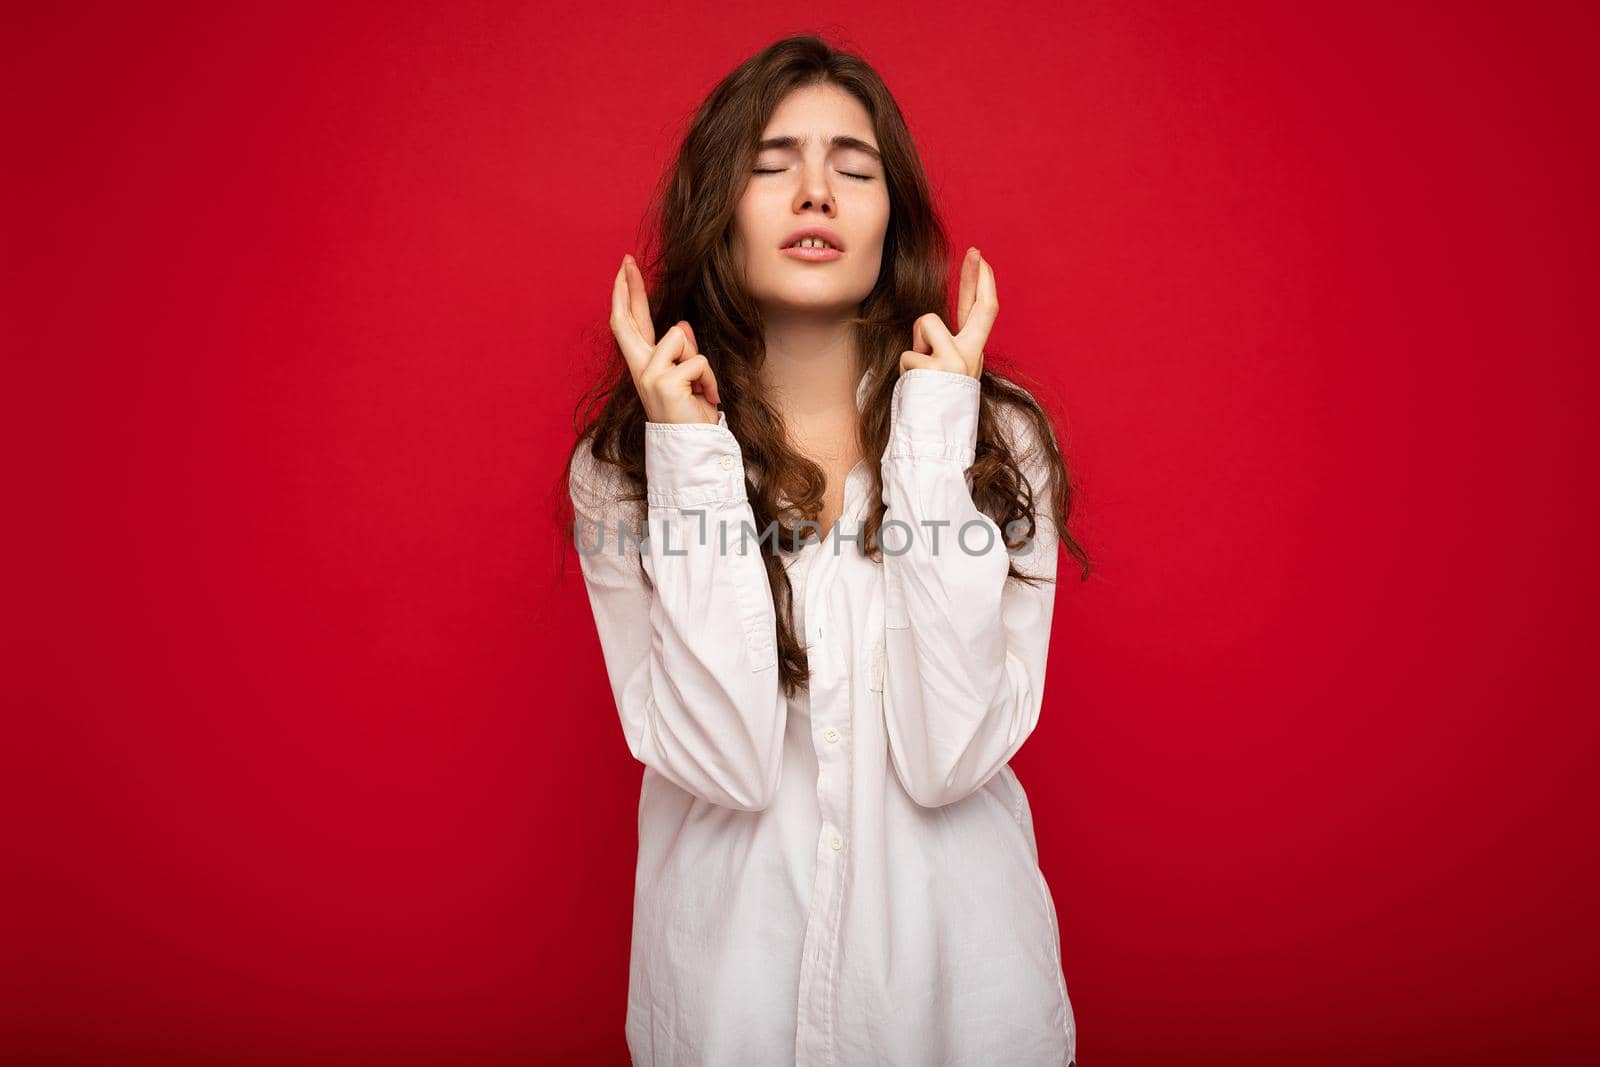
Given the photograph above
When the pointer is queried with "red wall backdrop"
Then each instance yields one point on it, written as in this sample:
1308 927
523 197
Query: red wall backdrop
310 757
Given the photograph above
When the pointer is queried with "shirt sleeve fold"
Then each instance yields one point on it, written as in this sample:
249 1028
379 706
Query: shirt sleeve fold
692 662
965 647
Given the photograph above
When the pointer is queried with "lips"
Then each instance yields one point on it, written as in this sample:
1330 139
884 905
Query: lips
813 231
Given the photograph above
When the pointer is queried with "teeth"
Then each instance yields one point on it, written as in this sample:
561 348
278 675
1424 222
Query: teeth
811 242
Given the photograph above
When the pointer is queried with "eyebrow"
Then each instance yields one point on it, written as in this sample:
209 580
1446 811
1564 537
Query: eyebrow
838 141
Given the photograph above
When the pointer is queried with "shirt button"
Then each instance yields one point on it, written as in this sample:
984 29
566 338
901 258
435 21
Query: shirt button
727 463
831 734
837 842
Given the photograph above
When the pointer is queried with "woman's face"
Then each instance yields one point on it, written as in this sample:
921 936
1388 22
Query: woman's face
814 181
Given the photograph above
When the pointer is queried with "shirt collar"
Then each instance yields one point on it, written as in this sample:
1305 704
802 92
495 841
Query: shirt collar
862 387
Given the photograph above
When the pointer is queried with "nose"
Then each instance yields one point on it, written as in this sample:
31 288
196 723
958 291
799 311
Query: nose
814 191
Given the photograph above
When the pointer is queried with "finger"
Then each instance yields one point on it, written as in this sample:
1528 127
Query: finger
690 350
639 301
689 345
939 342
969 288
665 354
664 357
986 286
985 309
696 370
635 349
707 382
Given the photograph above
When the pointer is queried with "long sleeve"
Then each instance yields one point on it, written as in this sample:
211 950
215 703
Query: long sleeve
692 661
965 648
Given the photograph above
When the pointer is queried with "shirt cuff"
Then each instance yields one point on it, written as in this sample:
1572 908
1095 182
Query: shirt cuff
935 413
690 464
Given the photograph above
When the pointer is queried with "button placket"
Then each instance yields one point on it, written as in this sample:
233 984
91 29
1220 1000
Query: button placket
816 608
812 595
833 776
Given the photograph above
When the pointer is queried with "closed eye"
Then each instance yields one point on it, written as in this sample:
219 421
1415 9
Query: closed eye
847 174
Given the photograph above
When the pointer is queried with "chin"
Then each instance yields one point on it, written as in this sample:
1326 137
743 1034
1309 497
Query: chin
820 303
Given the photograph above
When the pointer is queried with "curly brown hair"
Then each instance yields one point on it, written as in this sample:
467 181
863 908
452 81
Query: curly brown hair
691 274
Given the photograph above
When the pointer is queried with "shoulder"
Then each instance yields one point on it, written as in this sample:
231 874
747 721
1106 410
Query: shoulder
596 486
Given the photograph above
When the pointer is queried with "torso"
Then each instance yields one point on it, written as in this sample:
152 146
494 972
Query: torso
846 924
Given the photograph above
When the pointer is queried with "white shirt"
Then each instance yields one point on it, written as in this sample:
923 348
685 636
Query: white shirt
847 878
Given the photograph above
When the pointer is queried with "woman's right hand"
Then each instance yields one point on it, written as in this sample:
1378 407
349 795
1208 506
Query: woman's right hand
674 380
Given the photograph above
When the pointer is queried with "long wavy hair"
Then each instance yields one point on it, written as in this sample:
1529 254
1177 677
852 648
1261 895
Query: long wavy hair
690 271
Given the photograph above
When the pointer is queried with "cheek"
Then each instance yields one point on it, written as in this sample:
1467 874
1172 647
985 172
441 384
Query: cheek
747 227
875 208
758 201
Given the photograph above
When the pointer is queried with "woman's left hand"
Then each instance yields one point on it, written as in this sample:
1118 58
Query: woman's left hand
932 345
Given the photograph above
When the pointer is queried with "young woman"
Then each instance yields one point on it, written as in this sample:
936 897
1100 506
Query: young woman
833 635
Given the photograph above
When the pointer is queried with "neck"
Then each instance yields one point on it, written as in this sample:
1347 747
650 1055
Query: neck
811 367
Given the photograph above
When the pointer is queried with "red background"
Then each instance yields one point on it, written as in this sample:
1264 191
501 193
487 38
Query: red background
310 753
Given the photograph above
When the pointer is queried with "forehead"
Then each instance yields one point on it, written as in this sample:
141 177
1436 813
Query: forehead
819 112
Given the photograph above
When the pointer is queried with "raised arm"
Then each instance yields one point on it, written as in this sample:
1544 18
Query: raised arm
965 647
693 661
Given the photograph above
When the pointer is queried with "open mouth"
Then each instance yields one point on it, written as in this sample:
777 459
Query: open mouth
812 250
812 238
